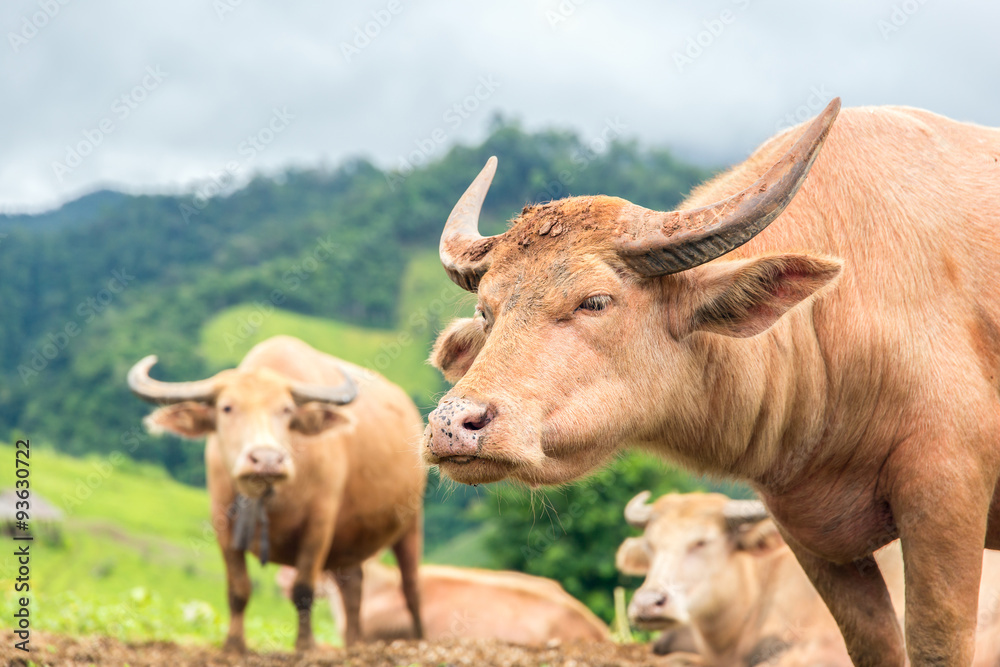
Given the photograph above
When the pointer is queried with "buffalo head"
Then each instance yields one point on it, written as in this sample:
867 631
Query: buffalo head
251 413
590 331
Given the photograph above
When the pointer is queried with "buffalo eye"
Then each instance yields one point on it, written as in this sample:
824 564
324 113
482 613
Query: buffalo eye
484 315
596 303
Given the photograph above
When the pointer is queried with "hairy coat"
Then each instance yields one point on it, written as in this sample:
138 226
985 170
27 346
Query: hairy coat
845 362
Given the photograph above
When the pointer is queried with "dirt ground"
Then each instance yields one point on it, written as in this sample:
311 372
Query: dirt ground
60 650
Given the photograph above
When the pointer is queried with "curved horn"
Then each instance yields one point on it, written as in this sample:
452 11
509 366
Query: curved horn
664 243
637 512
341 394
740 512
165 393
464 252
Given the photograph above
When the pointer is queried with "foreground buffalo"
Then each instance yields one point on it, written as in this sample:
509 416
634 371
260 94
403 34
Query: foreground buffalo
845 360
468 603
310 460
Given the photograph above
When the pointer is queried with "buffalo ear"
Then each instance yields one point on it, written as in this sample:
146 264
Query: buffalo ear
743 298
189 419
632 557
457 347
315 417
759 538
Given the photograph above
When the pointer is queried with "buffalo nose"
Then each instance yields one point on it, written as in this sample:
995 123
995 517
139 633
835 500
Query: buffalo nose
647 604
456 426
267 461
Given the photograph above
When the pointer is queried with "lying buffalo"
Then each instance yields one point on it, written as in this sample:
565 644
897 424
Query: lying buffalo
720 567
311 462
844 361
468 603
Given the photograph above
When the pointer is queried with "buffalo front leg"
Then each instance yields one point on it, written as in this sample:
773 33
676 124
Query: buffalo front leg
303 594
349 581
238 586
407 551
942 527
856 595
313 551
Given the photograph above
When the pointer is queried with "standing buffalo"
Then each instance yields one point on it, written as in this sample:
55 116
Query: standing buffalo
845 360
304 464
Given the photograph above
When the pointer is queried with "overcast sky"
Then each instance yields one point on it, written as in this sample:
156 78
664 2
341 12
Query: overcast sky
157 97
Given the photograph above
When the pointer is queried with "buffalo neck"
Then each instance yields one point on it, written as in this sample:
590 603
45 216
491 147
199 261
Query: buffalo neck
750 408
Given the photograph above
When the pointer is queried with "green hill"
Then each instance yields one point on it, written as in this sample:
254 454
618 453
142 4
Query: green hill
428 300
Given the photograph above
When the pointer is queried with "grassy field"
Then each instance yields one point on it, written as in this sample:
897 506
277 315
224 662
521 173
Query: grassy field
429 300
136 559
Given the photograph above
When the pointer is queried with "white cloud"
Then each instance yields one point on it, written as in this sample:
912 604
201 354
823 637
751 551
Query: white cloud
758 62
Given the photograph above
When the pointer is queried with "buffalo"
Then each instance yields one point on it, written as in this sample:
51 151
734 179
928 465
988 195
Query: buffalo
821 321
464 602
311 462
720 567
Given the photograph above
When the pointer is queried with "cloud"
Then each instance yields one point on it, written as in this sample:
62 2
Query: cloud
378 78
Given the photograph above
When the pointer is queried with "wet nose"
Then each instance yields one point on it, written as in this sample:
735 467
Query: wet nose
266 462
647 604
456 427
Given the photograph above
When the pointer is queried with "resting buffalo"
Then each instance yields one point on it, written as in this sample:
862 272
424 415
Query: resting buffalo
464 602
720 566
311 460
834 341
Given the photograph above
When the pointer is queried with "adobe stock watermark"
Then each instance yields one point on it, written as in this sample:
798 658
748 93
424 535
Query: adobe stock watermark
597 146
417 325
121 108
814 103
323 251
224 8
704 39
365 34
248 150
563 12
55 342
32 24
899 16
453 117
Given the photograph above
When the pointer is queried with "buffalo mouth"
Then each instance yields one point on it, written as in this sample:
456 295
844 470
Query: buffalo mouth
471 469
654 622
258 484
461 460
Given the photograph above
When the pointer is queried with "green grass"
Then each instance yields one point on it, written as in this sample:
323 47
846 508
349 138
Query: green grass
428 301
136 559
465 550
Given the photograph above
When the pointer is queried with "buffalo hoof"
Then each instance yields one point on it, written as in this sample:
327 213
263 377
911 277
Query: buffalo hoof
235 645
